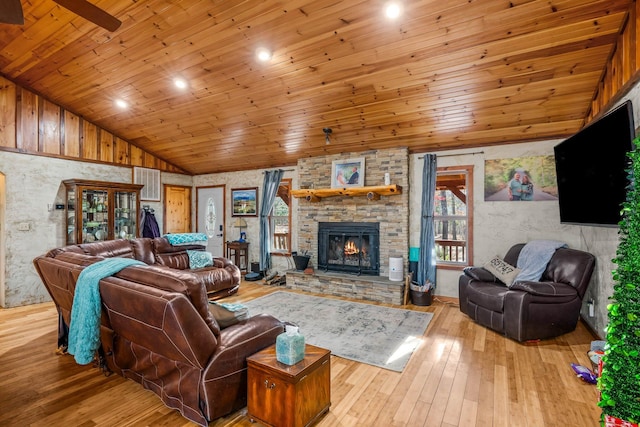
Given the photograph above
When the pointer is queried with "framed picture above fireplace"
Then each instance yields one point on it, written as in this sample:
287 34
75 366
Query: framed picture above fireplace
347 173
244 201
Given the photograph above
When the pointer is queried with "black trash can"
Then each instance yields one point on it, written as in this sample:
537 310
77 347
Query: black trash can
301 261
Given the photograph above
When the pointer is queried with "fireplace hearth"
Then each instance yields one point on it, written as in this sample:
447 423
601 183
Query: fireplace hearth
351 247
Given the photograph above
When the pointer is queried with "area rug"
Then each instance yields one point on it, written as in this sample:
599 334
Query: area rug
367 333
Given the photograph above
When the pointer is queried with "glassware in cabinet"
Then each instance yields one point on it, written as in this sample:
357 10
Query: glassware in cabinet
95 216
70 215
126 214
98 210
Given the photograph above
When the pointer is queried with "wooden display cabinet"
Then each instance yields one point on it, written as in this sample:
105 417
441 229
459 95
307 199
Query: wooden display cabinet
98 210
289 396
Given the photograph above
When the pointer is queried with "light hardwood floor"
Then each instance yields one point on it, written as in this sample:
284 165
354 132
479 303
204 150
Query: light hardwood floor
462 375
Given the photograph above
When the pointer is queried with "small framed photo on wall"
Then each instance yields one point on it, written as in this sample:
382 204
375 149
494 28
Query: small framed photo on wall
347 173
244 201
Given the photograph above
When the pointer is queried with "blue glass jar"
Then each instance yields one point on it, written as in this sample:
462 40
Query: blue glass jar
290 346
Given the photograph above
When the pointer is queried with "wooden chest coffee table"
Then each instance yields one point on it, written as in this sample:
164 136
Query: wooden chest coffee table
280 395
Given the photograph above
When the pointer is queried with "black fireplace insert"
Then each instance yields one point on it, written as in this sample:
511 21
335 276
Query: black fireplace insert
352 247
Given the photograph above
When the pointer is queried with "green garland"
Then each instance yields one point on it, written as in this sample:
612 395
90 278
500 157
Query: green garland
619 382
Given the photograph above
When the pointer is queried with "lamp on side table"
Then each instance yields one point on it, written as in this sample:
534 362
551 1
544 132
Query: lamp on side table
240 223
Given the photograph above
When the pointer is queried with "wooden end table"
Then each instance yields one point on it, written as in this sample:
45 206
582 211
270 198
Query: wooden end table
239 253
280 395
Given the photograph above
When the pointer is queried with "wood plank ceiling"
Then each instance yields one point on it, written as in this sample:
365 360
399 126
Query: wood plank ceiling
445 74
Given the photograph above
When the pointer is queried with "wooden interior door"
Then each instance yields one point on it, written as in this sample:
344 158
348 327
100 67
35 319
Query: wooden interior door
177 209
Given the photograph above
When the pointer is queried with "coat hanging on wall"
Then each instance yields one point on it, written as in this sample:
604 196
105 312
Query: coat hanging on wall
149 224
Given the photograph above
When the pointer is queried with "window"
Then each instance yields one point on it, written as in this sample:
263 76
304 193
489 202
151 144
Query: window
453 216
280 220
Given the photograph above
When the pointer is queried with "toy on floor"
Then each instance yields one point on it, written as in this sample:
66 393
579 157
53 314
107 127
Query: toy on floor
585 374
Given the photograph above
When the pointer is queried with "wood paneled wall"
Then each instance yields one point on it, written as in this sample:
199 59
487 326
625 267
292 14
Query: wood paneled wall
623 68
31 124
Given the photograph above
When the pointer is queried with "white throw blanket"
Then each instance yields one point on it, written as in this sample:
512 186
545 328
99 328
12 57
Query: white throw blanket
534 257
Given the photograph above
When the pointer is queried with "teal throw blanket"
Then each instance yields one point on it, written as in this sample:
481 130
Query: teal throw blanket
84 330
179 239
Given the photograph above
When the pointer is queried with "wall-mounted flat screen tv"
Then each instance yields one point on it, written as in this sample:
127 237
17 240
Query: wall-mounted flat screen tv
591 169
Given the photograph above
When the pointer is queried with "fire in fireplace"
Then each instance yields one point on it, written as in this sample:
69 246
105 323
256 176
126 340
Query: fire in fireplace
351 247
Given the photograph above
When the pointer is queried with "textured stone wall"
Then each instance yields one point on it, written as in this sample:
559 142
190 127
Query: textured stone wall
31 185
392 212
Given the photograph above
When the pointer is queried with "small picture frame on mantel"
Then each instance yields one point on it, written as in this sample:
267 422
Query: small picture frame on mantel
347 173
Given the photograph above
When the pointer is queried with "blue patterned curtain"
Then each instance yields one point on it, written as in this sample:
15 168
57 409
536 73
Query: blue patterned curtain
269 193
427 259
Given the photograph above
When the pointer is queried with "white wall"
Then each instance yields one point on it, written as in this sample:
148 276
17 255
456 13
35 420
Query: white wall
246 179
499 225
31 184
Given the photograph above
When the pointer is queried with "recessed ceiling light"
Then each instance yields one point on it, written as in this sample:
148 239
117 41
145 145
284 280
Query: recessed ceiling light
263 54
121 103
393 10
180 83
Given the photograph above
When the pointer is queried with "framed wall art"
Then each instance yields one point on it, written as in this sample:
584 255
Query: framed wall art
244 201
520 179
347 173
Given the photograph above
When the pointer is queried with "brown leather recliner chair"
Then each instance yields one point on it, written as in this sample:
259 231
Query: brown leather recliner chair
529 310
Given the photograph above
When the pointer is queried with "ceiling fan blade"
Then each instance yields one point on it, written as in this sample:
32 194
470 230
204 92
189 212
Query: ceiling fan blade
91 12
11 12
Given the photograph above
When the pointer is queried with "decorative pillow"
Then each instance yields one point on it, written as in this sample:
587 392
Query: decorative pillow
479 273
199 259
227 314
504 272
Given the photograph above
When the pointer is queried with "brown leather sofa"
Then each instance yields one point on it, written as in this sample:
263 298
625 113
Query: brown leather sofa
157 329
221 279
529 310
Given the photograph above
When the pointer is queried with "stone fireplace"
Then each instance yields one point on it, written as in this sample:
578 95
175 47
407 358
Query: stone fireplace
351 247
390 213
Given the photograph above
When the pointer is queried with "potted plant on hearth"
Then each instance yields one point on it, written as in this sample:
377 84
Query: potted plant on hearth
619 381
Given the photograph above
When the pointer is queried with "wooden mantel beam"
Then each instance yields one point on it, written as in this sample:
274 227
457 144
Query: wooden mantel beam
372 192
